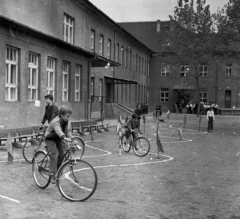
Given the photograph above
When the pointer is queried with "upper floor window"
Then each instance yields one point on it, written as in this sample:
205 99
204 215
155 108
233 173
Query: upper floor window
130 59
228 70
136 62
101 42
117 53
109 49
122 56
126 61
68 28
33 69
78 73
11 74
165 69
203 69
51 66
65 72
164 94
92 40
184 70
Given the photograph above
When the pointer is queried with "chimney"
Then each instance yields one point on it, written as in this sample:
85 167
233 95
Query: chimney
158 26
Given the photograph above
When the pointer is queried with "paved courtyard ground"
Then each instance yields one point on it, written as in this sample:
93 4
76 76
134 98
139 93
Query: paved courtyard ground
197 177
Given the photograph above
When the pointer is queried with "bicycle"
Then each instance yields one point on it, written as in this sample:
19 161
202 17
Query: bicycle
140 144
31 146
76 179
157 114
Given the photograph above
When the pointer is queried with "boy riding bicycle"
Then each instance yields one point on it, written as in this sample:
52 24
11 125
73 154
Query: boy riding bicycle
131 125
57 131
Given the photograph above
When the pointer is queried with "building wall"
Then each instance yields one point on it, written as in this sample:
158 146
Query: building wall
22 112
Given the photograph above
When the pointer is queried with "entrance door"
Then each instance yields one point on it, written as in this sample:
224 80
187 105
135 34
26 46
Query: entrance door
228 95
109 93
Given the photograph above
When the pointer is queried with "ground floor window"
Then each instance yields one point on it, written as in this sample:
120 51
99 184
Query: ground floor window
164 95
203 96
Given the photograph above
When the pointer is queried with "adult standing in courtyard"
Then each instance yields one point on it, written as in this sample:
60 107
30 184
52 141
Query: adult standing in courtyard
210 118
51 110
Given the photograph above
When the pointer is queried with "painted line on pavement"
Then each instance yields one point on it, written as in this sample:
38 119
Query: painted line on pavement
10 199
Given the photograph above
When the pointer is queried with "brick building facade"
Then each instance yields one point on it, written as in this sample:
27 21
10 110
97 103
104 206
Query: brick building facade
62 47
219 82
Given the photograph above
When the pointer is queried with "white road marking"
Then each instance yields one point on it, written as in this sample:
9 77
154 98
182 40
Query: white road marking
10 199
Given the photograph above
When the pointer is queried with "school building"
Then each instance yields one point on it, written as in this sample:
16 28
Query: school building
219 83
72 50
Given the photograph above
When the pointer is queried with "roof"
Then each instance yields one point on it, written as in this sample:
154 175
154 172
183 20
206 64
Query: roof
146 32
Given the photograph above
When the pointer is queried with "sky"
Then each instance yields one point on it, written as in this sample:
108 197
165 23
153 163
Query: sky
144 10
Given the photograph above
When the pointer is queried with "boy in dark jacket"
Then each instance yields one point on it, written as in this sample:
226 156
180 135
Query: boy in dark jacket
131 125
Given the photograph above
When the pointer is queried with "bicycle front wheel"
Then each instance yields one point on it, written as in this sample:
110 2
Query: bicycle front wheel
40 169
80 149
141 146
30 148
76 180
125 144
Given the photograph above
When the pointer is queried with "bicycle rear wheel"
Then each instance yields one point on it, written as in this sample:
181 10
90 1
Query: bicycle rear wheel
141 146
30 148
40 169
81 148
125 145
76 180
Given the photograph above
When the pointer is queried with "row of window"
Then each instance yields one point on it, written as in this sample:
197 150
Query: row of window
164 95
12 76
184 70
123 56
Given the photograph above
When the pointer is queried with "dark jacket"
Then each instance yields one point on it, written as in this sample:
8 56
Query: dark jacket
50 113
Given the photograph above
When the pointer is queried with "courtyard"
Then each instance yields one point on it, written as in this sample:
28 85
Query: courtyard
197 177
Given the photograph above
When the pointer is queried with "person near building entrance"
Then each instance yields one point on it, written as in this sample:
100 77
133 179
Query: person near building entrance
210 118
51 110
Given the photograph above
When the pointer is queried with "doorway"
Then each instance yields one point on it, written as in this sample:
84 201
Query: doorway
228 98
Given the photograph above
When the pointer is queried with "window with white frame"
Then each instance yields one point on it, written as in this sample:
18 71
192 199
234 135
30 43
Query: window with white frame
101 45
78 73
11 74
139 67
126 58
130 60
122 56
203 69
165 69
65 78
117 53
203 95
100 88
136 63
92 86
51 66
33 67
228 70
164 94
92 40
109 49
68 28
184 70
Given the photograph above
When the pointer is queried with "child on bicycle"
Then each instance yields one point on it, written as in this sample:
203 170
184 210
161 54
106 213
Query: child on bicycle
131 125
57 131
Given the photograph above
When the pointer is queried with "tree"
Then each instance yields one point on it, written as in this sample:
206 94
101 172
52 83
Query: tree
195 42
